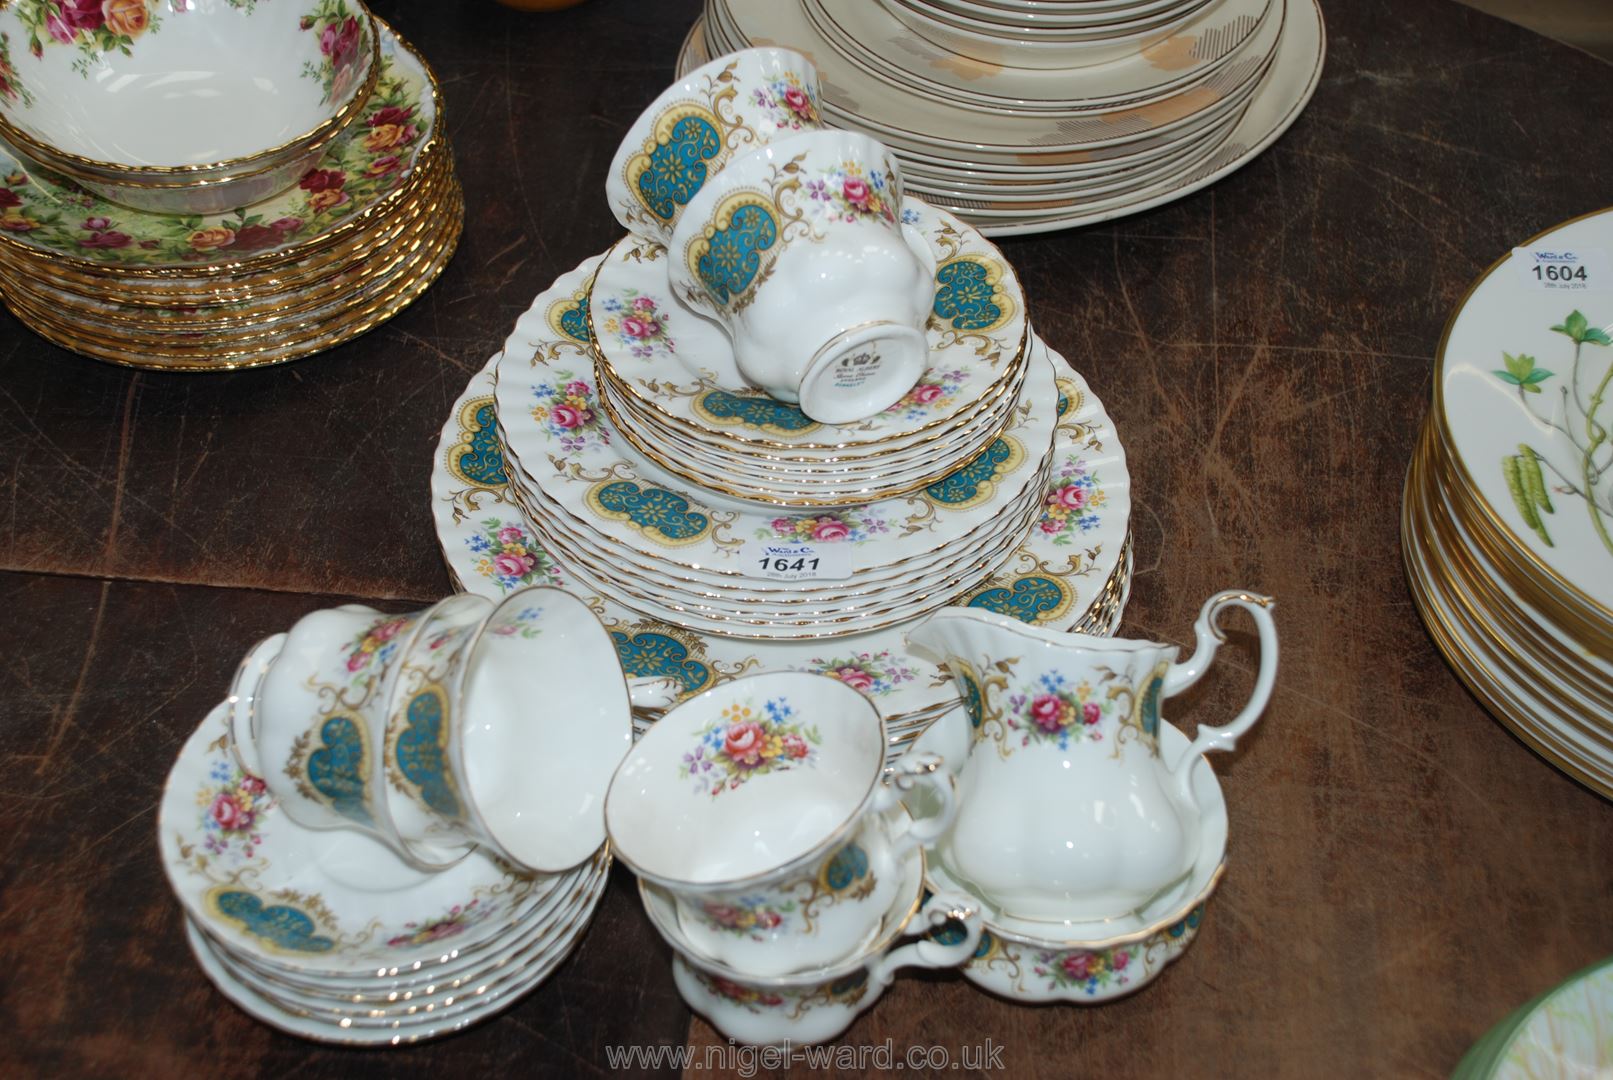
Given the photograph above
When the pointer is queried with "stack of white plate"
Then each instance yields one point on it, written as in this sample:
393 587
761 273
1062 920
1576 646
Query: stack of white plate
326 934
1024 116
678 398
1508 515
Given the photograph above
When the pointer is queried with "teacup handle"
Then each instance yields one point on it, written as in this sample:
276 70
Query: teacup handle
243 702
939 910
921 768
920 247
1210 638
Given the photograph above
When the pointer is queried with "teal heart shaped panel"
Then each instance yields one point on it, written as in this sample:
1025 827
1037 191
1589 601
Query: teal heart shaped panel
725 409
976 482
969 296
338 769
1030 598
845 868
728 258
677 166
647 654
422 749
477 460
280 926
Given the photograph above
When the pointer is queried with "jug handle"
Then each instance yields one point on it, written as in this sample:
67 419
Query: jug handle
1210 638
920 768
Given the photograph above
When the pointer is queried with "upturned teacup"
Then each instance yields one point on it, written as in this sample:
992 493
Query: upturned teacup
763 806
676 145
799 251
309 713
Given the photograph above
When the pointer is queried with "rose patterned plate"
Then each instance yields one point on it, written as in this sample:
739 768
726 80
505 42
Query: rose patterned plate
311 901
489 547
682 365
358 183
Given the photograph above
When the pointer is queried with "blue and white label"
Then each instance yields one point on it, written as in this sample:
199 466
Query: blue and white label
1564 269
777 561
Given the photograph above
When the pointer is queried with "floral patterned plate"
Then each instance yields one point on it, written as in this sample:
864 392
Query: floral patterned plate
682 365
525 942
309 901
490 549
358 182
1524 394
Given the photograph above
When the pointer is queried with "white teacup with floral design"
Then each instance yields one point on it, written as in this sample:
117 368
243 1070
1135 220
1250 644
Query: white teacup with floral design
1070 810
764 807
686 136
815 1006
798 249
314 718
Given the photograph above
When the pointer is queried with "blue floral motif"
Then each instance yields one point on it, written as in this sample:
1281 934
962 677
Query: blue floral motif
964 487
1031 599
337 769
968 296
845 868
281 925
760 413
658 513
677 167
478 459
420 751
651 655
732 256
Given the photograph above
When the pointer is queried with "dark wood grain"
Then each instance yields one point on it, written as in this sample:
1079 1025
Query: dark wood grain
1402 871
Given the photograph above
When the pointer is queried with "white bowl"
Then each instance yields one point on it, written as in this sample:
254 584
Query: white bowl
182 105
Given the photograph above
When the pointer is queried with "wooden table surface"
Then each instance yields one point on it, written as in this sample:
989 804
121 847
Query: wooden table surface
1402 872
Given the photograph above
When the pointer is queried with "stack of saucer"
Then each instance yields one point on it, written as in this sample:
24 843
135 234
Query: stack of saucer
359 234
327 935
1023 116
1508 518
359 861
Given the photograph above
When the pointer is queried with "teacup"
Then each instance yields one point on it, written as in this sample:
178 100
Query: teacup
676 145
763 807
507 726
309 718
799 251
815 1006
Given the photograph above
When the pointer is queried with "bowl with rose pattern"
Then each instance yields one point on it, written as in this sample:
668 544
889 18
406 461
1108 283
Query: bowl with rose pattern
183 106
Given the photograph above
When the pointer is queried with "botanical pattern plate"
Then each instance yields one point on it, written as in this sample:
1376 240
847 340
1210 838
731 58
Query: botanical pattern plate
358 179
311 901
682 364
1525 394
490 548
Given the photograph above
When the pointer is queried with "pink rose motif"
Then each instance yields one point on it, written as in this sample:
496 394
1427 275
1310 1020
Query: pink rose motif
766 920
828 529
228 815
151 245
783 525
97 224
340 43
798 102
286 226
578 388
357 660
511 534
1045 710
725 914
58 29
391 115
743 743
795 747
639 328
109 239
1071 496
854 677
252 785
568 417
926 393
79 15
383 165
856 191
323 180
1077 965
1119 960
643 303
1090 713
9 198
1050 526
387 631
509 565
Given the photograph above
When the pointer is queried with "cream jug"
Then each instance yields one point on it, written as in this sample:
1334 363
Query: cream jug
1067 810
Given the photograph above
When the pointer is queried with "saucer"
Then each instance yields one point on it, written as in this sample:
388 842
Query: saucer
313 902
949 738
